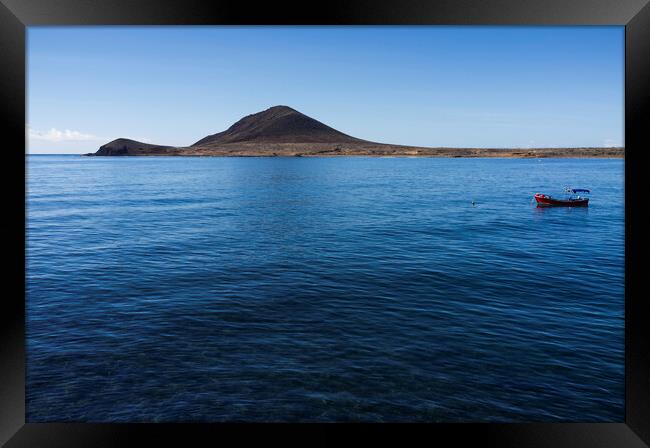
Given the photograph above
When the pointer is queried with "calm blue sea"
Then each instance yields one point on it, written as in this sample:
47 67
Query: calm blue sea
323 289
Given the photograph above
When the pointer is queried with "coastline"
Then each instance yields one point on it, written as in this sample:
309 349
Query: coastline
281 131
389 151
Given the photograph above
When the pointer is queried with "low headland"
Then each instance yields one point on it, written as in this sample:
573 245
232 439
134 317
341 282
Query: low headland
281 131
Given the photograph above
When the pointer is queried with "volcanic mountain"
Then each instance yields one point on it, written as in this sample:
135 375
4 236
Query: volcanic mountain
279 124
283 131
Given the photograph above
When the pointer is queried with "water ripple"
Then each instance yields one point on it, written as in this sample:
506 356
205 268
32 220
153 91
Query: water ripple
354 289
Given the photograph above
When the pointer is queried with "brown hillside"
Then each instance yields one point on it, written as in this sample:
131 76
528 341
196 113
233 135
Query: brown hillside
278 124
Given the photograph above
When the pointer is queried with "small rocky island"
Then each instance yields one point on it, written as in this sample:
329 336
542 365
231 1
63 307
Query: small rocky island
281 131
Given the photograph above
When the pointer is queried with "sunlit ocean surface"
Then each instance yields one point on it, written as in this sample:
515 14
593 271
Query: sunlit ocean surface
323 289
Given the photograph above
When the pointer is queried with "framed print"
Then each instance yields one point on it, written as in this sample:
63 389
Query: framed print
380 219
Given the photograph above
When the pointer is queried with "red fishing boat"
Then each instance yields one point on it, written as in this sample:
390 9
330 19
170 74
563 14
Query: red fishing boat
574 200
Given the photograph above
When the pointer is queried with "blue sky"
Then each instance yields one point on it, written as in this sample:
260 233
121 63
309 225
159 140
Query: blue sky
425 86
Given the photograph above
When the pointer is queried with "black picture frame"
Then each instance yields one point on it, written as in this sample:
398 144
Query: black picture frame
16 15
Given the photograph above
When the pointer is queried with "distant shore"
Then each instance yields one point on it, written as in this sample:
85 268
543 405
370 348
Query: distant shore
368 150
281 131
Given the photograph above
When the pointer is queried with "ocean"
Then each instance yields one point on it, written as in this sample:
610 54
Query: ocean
164 289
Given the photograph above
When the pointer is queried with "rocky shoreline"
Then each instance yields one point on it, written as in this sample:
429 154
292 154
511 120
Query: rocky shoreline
359 150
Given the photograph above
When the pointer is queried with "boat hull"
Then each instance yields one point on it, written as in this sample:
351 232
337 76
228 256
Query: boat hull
547 201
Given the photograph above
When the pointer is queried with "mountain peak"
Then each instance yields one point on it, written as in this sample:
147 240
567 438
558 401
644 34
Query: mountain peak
282 108
277 124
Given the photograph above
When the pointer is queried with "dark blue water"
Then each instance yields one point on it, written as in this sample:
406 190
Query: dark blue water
323 289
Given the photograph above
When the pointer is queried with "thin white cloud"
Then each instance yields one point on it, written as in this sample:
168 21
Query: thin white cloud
611 143
55 135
